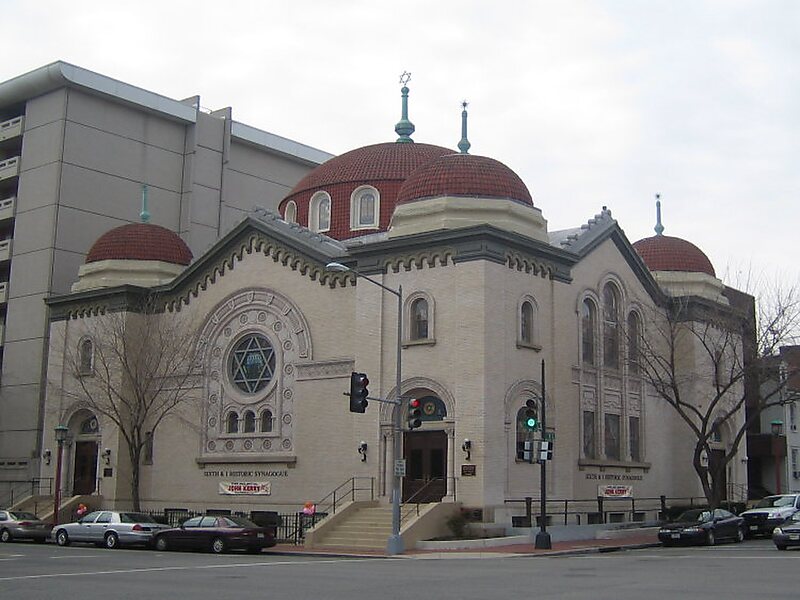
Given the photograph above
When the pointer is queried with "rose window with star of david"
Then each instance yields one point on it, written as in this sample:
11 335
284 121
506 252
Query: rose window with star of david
252 363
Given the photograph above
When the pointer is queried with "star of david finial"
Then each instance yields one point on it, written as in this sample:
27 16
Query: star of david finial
405 78
464 104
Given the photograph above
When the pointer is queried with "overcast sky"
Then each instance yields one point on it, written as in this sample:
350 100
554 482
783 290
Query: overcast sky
591 103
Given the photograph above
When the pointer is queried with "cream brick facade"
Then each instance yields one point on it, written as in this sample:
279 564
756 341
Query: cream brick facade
268 277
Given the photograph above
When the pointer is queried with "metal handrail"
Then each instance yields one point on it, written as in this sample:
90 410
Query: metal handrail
415 508
22 488
351 492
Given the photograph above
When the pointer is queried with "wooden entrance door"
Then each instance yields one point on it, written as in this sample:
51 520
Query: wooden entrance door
85 468
426 466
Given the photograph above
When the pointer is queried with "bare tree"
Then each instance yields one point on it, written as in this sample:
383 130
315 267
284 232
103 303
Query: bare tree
715 365
139 367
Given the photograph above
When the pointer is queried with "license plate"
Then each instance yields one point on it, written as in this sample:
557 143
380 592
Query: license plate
753 527
794 536
260 535
675 536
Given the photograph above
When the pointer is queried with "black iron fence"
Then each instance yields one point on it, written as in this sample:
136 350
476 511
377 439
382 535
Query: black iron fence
608 510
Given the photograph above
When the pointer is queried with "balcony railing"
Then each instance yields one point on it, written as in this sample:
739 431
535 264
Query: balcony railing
7 208
9 168
12 128
5 250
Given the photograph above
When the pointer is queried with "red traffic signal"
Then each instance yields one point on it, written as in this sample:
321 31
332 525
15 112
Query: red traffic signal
414 414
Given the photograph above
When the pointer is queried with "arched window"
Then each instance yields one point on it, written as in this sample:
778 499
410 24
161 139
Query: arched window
86 357
419 319
634 342
319 213
232 423
588 318
290 214
526 323
364 208
266 421
716 432
610 326
249 422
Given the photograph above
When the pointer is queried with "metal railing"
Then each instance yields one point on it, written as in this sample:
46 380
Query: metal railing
347 490
600 509
411 506
16 490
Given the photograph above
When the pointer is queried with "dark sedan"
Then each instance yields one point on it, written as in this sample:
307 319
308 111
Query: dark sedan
787 533
217 534
702 526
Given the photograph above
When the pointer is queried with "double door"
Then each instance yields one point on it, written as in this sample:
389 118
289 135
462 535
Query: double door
426 466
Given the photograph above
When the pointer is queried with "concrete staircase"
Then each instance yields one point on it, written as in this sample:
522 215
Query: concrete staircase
366 528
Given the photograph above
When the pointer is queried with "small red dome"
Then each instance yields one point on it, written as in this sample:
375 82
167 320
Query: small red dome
665 253
140 241
464 175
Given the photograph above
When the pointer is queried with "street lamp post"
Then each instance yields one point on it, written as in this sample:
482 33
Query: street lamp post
394 545
777 431
61 435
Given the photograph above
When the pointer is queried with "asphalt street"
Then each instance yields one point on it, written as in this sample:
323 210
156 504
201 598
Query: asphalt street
754 569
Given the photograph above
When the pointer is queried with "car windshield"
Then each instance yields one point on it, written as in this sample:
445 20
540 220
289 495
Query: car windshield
135 518
694 515
24 516
239 522
775 501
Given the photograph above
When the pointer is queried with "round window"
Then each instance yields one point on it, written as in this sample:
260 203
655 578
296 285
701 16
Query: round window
252 363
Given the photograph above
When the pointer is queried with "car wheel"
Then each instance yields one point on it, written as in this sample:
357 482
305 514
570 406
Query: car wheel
780 546
5 536
162 545
62 538
112 541
739 536
710 540
218 545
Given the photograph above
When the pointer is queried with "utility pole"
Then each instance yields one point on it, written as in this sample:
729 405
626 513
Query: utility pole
543 538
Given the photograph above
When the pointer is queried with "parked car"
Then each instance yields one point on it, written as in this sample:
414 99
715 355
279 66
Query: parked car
108 528
217 534
787 533
769 513
16 525
702 526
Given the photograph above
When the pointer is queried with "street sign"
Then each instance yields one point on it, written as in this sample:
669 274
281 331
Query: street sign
549 436
400 467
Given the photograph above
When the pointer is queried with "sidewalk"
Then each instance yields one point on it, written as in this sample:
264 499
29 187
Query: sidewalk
635 539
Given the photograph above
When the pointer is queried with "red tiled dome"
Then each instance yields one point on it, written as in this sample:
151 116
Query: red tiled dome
140 241
382 166
379 162
665 253
464 175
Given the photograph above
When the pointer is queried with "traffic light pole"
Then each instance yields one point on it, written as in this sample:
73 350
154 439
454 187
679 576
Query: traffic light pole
394 545
543 538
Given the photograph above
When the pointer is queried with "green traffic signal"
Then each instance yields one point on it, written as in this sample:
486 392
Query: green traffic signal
531 415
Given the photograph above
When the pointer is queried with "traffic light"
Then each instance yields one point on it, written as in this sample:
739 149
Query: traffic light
358 392
414 414
531 415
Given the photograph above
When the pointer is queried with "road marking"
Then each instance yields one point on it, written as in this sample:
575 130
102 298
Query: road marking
72 556
188 568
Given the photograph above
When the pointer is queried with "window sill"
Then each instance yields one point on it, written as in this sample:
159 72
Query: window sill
529 346
617 464
425 342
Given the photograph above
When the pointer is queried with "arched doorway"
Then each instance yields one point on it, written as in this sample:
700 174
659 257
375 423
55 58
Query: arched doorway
87 438
425 452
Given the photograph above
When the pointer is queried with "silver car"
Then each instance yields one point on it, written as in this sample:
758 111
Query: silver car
108 528
22 525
